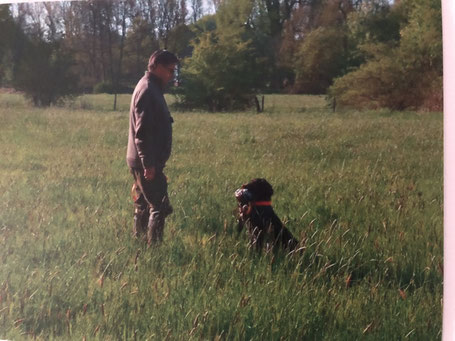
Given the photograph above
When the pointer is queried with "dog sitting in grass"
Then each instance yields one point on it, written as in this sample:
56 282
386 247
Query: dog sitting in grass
255 210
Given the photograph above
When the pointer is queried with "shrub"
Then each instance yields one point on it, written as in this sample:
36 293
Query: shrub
109 88
320 58
218 76
44 74
103 88
224 70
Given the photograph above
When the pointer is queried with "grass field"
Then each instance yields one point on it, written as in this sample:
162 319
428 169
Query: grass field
362 190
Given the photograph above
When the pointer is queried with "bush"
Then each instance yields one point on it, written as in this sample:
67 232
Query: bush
224 70
385 82
217 77
109 88
319 59
44 74
103 88
375 84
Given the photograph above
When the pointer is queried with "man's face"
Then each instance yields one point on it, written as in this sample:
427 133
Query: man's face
165 72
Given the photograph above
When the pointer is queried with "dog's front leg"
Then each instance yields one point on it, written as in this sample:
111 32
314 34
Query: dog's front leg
240 224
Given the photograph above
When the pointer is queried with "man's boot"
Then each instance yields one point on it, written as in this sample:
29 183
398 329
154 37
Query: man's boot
166 207
141 218
155 228
156 221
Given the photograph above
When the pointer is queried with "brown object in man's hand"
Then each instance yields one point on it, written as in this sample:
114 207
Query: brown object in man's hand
149 173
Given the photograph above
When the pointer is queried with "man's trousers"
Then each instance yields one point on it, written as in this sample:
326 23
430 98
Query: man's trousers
151 205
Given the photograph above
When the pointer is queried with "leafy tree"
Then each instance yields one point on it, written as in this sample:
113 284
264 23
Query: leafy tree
315 44
319 59
12 46
179 40
224 69
44 75
376 21
196 9
170 13
218 75
406 76
139 43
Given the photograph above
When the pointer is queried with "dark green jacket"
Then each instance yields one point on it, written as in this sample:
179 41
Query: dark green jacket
150 131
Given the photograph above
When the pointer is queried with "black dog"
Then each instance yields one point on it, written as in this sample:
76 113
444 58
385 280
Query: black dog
256 212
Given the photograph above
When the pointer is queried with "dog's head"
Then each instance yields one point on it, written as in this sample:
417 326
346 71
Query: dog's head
254 191
258 190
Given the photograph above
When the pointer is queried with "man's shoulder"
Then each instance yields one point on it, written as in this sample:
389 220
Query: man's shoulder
146 87
142 85
142 90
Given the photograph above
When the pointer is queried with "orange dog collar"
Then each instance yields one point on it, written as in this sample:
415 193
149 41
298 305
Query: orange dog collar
262 203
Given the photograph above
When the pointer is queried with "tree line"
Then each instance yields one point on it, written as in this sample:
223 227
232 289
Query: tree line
361 53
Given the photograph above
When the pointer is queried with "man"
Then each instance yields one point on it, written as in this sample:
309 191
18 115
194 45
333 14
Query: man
149 146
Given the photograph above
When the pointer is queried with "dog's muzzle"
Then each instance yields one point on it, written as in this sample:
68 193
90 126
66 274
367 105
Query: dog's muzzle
244 198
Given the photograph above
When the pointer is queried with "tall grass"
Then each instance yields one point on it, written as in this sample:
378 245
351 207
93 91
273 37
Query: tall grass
361 190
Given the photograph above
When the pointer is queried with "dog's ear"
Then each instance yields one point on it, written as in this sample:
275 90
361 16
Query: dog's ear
267 188
261 189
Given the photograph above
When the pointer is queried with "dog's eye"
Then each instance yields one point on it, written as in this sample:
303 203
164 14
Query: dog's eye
243 194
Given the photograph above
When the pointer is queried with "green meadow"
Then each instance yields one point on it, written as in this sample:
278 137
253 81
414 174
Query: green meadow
362 191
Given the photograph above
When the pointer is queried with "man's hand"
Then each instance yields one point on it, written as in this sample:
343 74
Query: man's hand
149 173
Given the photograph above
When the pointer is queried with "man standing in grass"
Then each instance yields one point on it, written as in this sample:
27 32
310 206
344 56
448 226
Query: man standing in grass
149 146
